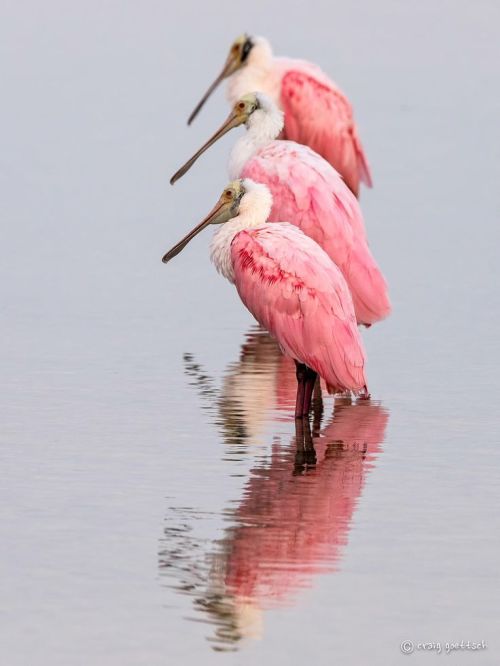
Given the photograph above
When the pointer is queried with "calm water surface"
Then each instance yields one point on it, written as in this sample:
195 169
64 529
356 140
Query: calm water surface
159 504
296 508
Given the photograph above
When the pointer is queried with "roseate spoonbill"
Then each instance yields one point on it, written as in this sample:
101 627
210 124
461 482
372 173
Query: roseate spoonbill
309 193
317 113
292 288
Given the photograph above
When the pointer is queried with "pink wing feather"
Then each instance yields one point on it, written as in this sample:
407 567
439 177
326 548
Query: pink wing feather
310 194
294 290
319 115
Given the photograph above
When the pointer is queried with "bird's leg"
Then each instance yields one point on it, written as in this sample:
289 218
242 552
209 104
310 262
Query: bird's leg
318 395
317 407
364 393
309 450
301 371
305 456
308 390
299 455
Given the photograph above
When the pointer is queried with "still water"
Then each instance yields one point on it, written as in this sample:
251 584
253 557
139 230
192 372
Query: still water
159 504
296 508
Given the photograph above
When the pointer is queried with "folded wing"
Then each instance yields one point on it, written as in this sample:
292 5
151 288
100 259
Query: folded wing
296 292
310 194
319 115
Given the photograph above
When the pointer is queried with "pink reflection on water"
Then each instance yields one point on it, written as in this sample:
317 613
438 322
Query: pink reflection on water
297 506
296 512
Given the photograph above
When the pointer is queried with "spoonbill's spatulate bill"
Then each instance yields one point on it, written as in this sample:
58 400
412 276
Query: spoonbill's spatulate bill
317 112
292 288
309 193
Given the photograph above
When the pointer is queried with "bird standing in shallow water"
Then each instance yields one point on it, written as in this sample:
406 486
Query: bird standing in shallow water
309 193
317 113
291 287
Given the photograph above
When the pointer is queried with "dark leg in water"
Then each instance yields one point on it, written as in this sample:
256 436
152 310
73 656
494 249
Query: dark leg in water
301 371
305 456
308 390
317 408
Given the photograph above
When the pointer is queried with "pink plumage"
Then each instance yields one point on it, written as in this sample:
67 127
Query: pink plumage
319 115
294 290
310 194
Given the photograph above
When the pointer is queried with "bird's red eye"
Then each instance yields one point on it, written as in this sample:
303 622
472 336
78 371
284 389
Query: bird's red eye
228 194
241 105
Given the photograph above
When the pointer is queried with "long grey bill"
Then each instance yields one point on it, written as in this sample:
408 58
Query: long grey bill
201 103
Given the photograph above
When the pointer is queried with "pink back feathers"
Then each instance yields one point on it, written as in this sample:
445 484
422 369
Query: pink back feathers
319 115
310 194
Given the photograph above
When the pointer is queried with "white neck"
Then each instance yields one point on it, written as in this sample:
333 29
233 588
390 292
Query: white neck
263 126
255 207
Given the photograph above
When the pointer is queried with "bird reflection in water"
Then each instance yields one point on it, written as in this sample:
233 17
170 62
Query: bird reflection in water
297 505
262 380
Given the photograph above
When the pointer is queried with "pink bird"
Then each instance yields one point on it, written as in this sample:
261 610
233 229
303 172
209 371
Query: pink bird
317 113
291 287
309 193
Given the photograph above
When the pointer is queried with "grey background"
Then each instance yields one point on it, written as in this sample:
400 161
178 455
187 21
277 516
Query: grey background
101 432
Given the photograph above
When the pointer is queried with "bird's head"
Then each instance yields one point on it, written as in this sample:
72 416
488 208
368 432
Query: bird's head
239 51
236 58
225 209
255 110
243 196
